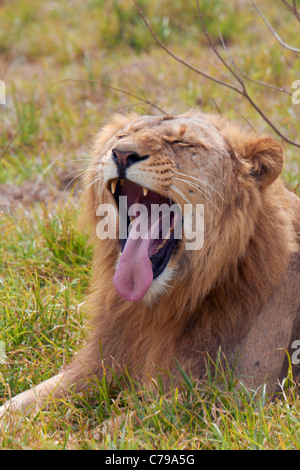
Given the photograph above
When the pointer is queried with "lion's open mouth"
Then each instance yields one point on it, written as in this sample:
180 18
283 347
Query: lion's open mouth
146 237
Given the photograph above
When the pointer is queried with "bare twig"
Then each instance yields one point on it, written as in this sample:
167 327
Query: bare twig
119 90
284 44
225 75
267 85
129 78
178 59
246 120
243 74
216 106
231 69
292 8
236 72
230 65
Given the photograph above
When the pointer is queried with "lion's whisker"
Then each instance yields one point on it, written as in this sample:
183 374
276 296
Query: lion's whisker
79 174
193 185
177 190
208 174
90 183
201 181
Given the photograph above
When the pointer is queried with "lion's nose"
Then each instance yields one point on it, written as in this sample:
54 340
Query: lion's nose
124 159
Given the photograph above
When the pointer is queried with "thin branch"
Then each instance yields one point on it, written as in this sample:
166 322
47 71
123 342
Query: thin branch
216 106
292 8
267 85
233 69
213 47
220 71
284 44
178 59
237 69
246 120
265 117
119 90
233 63
243 74
132 81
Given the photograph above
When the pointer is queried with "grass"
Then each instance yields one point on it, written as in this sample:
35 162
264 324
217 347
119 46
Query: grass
46 128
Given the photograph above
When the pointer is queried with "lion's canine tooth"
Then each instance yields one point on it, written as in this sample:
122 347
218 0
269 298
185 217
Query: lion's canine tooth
145 191
113 186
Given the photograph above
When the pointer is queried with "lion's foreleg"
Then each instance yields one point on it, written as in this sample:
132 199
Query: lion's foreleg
37 396
78 375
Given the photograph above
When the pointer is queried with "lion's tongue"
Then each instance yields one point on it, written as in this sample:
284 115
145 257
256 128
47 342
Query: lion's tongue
134 273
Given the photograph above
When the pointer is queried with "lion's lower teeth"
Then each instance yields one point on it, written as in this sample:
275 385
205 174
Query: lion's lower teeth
162 245
165 240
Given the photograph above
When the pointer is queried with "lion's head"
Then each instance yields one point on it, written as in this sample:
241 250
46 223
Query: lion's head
188 160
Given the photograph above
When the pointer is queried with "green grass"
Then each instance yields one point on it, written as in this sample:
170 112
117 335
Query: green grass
44 276
46 128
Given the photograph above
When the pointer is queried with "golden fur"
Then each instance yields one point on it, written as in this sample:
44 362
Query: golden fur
219 289
239 292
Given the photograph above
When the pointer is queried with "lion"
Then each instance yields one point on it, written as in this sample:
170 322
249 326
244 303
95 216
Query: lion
156 304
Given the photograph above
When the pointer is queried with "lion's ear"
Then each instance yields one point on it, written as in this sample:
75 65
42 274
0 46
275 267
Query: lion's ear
266 158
